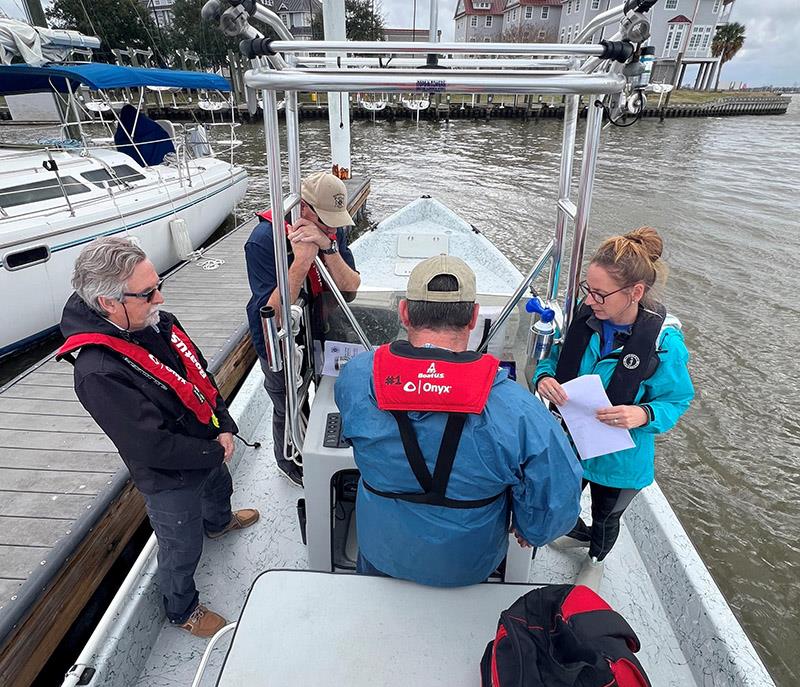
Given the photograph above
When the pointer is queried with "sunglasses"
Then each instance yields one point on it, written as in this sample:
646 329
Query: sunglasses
600 298
147 295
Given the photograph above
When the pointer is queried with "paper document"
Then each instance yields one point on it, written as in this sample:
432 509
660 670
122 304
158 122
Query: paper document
592 438
337 353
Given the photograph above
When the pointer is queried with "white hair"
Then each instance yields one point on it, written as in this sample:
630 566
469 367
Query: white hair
103 269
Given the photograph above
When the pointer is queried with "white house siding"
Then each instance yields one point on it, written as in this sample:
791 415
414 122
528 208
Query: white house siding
526 22
705 24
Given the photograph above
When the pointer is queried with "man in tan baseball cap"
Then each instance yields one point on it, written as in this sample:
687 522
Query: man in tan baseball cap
327 196
450 449
319 233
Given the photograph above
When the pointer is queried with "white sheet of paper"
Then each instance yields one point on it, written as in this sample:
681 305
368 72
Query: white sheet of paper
337 353
592 438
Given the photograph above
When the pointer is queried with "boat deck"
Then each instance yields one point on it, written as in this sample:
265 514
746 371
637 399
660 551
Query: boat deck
67 507
229 566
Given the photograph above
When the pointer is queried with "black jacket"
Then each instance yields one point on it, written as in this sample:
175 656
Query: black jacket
162 443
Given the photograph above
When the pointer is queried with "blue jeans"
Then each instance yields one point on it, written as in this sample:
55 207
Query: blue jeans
179 518
364 567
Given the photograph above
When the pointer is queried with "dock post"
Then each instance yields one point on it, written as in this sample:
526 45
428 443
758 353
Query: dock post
338 103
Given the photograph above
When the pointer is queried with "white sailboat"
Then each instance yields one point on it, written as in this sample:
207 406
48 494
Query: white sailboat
56 197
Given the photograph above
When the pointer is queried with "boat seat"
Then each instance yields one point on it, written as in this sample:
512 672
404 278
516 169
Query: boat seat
168 126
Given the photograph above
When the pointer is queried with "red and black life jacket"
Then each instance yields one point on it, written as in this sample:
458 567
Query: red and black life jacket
562 636
196 392
316 285
432 380
637 361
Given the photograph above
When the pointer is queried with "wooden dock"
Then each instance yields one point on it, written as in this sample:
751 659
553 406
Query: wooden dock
67 506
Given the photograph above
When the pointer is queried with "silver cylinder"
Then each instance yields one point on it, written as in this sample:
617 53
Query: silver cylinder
272 342
591 145
393 47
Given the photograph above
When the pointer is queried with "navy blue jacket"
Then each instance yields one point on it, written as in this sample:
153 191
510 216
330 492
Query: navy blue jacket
260 256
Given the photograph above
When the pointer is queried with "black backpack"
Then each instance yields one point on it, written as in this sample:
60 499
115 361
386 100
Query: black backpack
562 636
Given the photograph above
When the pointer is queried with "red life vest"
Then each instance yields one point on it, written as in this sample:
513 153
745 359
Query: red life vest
197 393
403 383
458 388
316 284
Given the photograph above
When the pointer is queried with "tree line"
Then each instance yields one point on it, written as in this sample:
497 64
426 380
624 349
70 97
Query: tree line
125 24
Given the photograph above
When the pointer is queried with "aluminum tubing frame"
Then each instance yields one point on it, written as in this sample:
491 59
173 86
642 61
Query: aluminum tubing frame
448 62
426 81
591 148
571 112
384 47
272 140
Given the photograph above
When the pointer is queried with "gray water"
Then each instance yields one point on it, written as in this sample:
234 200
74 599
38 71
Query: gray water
724 195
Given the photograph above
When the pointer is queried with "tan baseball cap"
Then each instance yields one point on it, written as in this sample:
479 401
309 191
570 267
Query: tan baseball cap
327 194
425 271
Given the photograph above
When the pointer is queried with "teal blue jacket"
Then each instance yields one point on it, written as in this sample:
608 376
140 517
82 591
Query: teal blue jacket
668 393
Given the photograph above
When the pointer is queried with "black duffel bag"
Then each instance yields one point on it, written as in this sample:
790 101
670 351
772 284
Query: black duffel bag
562 636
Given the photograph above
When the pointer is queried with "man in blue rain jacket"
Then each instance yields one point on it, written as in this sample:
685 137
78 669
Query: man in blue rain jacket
451 451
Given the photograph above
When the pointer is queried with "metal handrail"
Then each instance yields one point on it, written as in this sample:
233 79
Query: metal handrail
212 643
392 81
516 296
337 293
386 47
448 62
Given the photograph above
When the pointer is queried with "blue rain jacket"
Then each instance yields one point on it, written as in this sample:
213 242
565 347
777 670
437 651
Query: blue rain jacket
514 444
668 393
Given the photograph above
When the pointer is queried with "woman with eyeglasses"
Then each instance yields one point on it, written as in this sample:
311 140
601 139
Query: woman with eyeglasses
622 334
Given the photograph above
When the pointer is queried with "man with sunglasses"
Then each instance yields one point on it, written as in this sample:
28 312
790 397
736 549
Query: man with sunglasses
320 232
147 385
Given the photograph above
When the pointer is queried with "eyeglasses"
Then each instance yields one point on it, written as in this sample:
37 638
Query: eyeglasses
599 297
147 295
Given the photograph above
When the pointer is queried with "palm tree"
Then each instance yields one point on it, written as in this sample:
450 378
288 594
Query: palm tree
728 40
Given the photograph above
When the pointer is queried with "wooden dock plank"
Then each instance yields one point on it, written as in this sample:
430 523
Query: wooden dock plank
31 531
49 423
53 481
19 562
7 589
10 404
65 441
49 380
38 392
70 506
78 461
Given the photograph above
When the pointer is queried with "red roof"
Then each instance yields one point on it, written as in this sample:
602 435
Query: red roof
550 3
496 7
680 19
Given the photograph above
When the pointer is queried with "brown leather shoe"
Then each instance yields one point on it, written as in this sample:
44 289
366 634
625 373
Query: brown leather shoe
239 520
203 622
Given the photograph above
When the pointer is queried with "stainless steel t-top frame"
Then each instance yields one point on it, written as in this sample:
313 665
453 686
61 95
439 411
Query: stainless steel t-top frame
599 77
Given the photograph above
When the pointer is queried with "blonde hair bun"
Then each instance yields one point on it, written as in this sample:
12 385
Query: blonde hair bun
649 239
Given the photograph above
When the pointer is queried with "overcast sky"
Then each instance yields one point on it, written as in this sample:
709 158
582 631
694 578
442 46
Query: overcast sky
768 56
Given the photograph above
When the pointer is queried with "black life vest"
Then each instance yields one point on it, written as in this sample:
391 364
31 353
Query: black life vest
196 391
637 361
432 380
562 635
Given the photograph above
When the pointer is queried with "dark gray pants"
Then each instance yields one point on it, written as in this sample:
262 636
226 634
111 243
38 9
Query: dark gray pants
179 518
608 505
275 386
